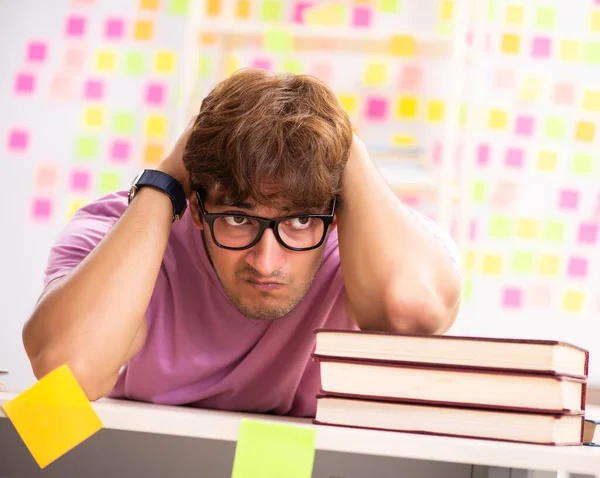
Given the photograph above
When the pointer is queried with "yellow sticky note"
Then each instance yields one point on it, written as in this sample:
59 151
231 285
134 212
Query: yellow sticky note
402 45
573 301
164 62
407 107
94 116
469 260
547 161
232 64
74 206
266 449
403 140
329 13
595 21
514 15
156 126
492 264
527 228
153 154
53 416
349 102
105 60
497 119
435 111
446 9
510 43
591 100
549 265
376 73
143 30
530 89
570 50
585 131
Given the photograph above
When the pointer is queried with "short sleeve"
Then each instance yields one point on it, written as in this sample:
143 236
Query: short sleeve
82 233
443 236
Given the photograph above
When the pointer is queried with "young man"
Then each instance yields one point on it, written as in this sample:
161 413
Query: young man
289 228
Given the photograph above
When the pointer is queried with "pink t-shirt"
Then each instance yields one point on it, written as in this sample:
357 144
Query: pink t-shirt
200 350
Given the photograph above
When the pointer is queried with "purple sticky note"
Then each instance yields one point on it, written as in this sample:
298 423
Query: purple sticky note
483 154
568 199
578 267
514 157
80 180
361 16
564 93
262 63
120 150
93 89
298 11
114 28
524 125
24 83
377 108
512 297
37 51
18 140
541 47
155 94
588 233
41 208
75 26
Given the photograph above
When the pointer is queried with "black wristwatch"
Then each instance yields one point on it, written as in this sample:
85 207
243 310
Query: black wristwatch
163 182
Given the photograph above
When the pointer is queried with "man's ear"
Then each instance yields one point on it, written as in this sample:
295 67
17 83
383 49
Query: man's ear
195 212
333 224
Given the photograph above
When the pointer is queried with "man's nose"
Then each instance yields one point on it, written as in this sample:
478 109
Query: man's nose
268 255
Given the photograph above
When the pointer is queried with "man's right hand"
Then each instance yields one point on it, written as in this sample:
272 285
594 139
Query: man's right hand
173 165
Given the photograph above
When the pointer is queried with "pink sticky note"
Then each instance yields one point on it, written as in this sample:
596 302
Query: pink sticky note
483 154
361 16
588 233
411 77
37 51
120 150
93 89
541 47
568 199
377 108
524 125
298 11
322 71
74 58
514 157
75 26
505 193
41 209
155 94
114 28
539 296
473 229
45 177
511 297
504 78
80 180
436 153
578 267
24 83
262 63
564 93
18 140
60 87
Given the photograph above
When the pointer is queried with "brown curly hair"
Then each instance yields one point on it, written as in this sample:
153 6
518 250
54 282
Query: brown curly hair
258 128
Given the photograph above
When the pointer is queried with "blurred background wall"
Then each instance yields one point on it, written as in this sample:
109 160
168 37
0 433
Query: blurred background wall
483 114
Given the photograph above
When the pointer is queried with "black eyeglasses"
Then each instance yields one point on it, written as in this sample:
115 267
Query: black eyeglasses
238 231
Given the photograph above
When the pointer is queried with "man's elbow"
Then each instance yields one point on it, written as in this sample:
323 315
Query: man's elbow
423 311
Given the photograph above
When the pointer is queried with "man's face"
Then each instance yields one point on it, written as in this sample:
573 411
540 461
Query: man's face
266 281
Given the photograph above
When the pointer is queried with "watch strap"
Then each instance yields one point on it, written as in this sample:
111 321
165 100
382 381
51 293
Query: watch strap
165 183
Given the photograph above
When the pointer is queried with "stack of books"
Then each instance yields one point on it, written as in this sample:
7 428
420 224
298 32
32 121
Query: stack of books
528 391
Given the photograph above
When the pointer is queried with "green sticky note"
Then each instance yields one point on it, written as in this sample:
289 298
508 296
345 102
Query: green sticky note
110 181
86 148
479 191
389 6
123 122
583 163
467 289
179 7
267 449
204 65
592 52
500 226
135 64
554 128
553 231
277 40
523 262
492 10
271 10
545 17
292 66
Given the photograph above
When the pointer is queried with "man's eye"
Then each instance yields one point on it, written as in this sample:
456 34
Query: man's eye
236 220
300 222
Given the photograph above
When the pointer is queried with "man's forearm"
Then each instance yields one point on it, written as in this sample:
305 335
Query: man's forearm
397 275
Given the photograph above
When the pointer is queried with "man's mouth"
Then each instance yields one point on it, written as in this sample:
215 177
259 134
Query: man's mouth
264 286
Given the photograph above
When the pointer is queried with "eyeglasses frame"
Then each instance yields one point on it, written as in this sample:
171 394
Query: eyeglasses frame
266 223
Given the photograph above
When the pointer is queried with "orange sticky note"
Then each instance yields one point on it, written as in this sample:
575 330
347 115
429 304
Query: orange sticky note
53 416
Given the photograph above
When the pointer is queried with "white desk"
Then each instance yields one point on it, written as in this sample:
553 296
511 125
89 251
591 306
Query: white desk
141 420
